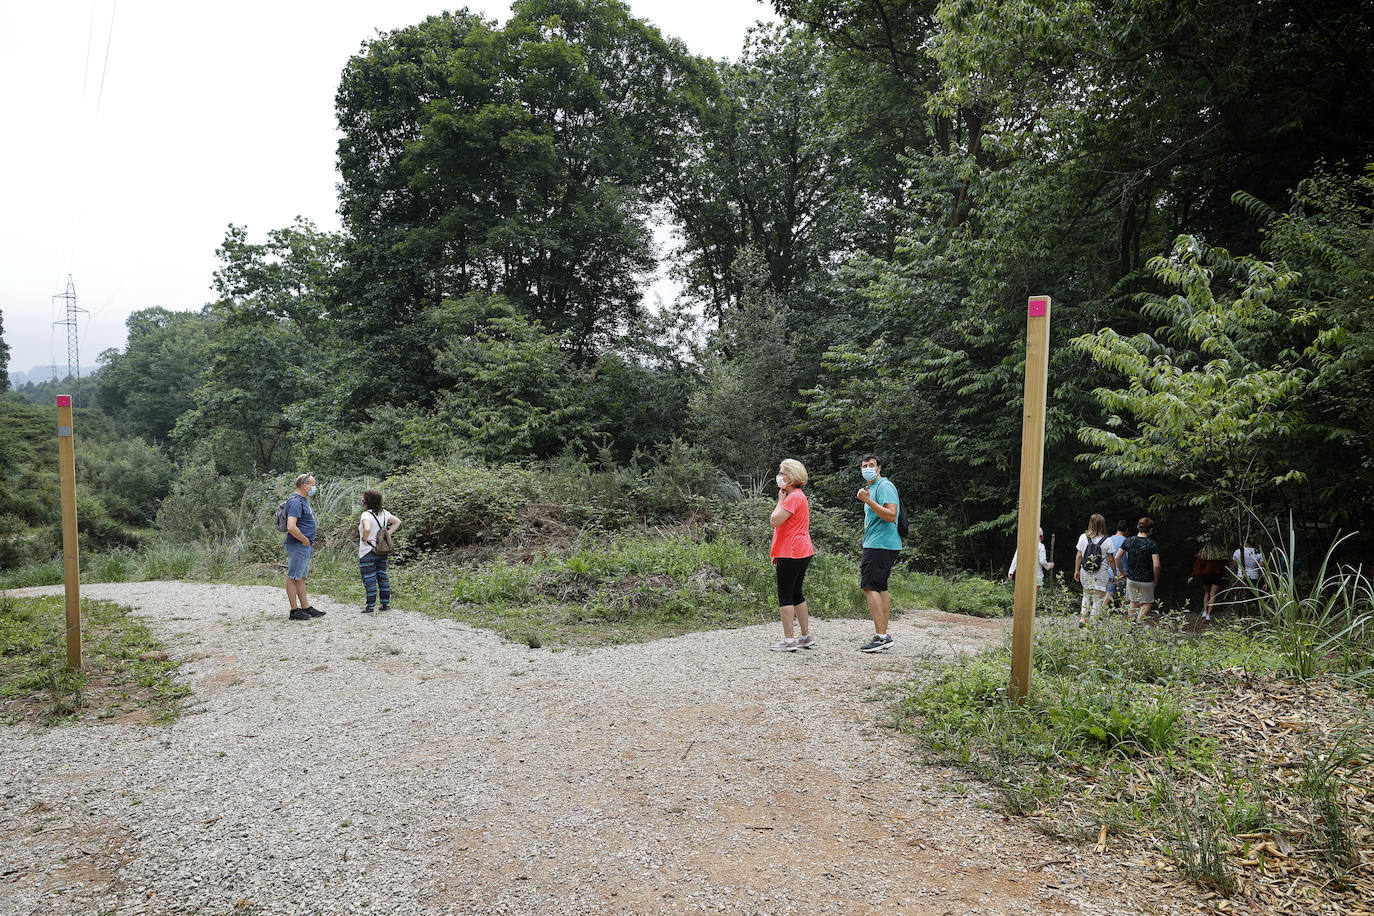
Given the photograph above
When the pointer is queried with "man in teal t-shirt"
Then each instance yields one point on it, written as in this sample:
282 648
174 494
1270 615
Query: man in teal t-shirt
881 545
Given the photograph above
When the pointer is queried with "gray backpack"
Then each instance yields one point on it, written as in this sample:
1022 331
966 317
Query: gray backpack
279 518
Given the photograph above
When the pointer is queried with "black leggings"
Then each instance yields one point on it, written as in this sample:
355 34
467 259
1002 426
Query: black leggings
791 572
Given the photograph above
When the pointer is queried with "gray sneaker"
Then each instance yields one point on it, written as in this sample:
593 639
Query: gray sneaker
877 644
806 642
784 645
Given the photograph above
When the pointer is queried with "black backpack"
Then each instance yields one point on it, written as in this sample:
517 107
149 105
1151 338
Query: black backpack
903 526
1092 557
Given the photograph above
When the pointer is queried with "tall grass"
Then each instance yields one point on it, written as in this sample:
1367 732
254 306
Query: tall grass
1320 625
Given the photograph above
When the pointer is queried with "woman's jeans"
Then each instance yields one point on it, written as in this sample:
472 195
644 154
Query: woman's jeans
375 579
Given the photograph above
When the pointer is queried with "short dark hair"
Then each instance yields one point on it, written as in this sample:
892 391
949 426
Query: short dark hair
1123 525
872 458
372 500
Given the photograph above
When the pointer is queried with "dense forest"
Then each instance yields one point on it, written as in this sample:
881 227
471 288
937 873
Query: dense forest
861 203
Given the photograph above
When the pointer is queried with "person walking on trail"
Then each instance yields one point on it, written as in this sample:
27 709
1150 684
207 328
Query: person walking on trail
1209 569
372 555
1140 555
1249 564
1094 567
1116 586
300 542
881 546
1042 564
791 552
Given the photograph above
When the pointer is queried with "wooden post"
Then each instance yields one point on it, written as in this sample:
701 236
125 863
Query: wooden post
1032 479
71 565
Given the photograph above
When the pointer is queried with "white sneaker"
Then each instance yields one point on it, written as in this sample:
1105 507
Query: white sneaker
784 645
1206 615
806 642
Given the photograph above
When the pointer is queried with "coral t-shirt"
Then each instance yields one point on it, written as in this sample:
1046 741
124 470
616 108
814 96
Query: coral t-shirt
792 539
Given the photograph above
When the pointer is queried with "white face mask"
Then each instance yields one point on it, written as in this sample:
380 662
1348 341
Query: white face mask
782 482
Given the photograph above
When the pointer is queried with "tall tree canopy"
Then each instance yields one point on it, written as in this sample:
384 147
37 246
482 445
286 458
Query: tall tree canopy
518 161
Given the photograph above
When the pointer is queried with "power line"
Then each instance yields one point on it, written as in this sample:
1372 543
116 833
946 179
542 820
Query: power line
86 69
109 37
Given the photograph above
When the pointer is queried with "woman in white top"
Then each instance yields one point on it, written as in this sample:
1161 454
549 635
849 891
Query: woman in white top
372 564
1249 563
1094 568
1042 563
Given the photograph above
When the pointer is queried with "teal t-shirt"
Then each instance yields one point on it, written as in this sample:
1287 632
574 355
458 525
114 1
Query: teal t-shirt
878 533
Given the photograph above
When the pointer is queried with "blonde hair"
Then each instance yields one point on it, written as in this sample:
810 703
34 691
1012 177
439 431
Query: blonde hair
1097 526
794 471
1213 551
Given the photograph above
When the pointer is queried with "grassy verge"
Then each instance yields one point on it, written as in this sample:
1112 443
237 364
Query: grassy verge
126 675
1204 755
591 589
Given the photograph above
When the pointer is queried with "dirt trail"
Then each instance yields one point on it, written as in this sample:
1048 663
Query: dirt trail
394 763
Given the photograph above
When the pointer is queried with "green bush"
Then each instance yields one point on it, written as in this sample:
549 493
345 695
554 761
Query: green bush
202 503
130 475
452 505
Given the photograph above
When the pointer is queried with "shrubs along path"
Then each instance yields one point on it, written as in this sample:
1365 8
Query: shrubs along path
398 763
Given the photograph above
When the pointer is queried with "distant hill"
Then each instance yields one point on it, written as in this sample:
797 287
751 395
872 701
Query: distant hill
43 373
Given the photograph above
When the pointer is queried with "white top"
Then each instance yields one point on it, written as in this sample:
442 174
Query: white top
1043 565
1254 560
368 530
1096 580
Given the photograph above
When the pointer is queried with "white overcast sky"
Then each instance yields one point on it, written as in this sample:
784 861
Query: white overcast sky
124 169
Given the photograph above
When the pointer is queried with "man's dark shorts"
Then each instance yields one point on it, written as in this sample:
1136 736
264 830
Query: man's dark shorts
876 567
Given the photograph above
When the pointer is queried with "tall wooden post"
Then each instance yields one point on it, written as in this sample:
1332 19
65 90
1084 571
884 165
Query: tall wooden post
71 565
1032 480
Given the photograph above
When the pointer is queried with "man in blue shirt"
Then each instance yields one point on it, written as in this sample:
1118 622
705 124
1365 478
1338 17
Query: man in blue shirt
881 546
300 542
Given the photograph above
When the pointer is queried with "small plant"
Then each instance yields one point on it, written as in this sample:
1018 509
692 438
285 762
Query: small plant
1197 840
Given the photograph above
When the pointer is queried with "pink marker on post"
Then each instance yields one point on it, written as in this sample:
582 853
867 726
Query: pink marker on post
1038 306
64 400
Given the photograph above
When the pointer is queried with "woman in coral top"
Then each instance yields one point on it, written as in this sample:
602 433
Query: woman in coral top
791 553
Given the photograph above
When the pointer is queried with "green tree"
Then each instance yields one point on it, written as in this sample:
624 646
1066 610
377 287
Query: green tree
744 411
767 172
270 347
150 384
517 161
515 390
1215 401
4 357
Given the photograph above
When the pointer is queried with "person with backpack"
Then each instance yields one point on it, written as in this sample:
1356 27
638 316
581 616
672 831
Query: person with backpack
376 528
1094 567
881 545
299 521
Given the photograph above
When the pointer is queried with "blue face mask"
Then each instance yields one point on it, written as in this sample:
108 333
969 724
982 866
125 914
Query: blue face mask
311 491
870 474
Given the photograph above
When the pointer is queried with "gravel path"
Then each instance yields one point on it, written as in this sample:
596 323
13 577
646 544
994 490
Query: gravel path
395 763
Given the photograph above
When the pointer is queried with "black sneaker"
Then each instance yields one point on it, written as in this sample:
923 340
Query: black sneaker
386 607
312 612
877 644
298 614
369 609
